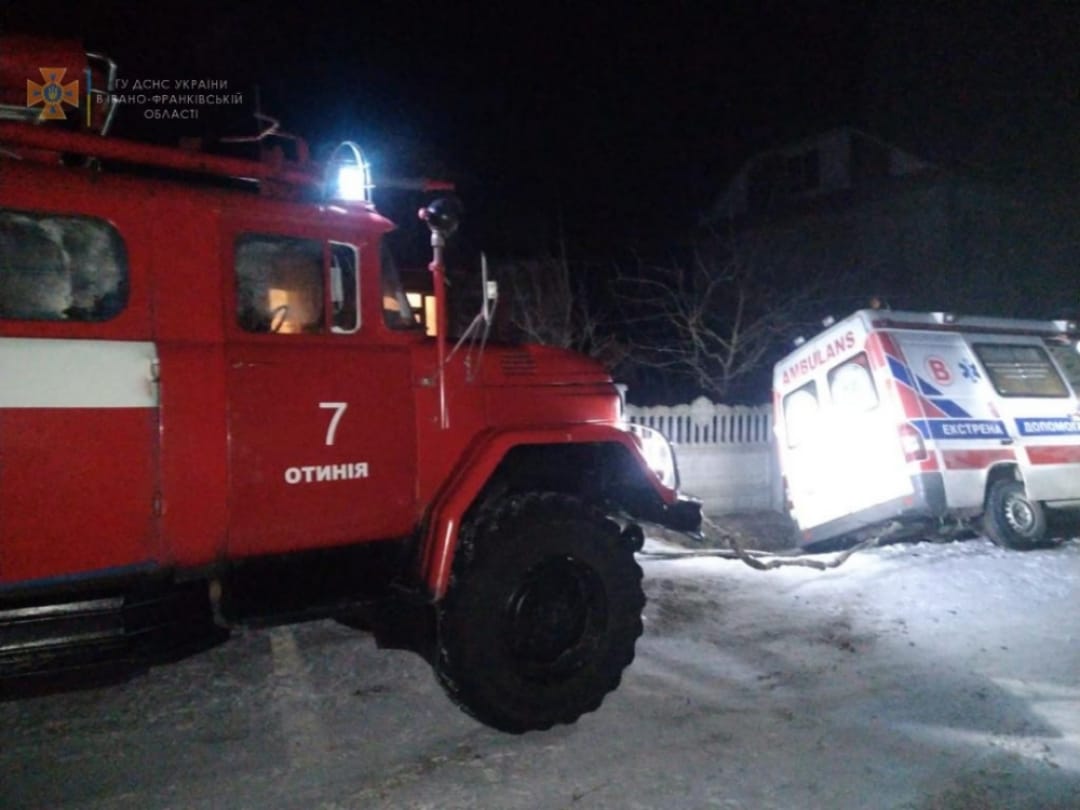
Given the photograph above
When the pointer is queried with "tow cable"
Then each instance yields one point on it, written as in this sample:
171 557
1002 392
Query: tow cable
760 560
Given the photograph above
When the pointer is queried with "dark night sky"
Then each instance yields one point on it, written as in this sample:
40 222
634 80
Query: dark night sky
620 122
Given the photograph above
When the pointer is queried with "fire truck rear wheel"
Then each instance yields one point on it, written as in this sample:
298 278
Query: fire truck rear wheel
542 615
1012 519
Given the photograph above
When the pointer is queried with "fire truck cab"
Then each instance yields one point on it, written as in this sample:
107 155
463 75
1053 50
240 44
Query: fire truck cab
938 422
217 407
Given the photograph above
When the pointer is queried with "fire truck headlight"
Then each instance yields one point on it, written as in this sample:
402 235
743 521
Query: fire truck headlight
658 454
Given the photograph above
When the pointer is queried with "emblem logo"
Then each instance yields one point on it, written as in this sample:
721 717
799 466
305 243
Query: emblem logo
53 94
970 371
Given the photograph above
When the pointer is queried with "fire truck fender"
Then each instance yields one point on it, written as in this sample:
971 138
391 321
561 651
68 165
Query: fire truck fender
439 539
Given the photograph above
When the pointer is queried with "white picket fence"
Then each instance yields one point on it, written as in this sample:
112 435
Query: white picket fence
726 454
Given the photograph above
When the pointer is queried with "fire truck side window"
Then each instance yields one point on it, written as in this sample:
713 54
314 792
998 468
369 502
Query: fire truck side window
57 268
801 414
851 387
279 284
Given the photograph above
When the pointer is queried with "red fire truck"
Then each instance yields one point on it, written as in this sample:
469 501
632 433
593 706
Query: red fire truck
216 408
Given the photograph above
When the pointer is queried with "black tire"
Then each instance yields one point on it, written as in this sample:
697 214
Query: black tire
542 615
1012 520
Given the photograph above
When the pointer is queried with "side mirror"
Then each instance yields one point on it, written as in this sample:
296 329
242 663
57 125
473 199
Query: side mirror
442 216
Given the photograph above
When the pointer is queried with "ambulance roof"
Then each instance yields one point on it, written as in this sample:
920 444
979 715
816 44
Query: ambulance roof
951 322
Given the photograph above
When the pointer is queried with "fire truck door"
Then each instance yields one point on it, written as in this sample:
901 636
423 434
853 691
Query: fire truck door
805 448
322 449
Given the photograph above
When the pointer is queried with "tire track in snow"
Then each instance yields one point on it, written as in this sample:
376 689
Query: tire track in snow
306 736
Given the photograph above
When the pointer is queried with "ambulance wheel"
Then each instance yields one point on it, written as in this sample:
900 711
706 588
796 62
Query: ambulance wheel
542 615
1012 519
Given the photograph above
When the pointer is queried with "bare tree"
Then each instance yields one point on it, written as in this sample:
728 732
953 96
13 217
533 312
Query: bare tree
712 319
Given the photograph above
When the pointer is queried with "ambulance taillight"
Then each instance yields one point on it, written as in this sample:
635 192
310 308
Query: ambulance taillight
911 441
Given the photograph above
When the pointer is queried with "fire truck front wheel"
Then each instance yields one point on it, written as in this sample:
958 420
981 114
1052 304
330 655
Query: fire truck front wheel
542 615
1012 519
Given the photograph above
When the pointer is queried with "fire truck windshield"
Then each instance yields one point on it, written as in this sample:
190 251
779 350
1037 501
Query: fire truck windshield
396 310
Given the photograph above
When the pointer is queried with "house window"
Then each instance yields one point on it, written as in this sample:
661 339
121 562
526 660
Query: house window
60 268
423 307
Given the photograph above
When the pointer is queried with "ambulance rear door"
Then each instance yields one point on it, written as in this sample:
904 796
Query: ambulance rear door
868 467
801 451
840 447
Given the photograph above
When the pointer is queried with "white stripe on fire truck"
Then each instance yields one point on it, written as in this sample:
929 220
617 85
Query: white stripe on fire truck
50 373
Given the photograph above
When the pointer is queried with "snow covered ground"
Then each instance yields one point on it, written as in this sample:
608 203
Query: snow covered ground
923 677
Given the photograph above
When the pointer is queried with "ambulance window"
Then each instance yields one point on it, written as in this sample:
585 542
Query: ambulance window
852 387
1068 360
344 287
1019 370
800 414
279 284
56 268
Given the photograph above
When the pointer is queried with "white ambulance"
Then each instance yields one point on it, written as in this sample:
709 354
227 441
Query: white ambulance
943 423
